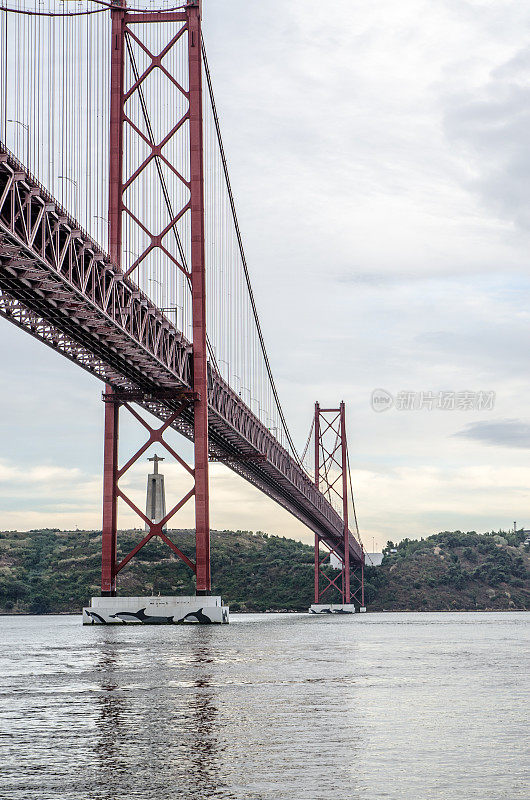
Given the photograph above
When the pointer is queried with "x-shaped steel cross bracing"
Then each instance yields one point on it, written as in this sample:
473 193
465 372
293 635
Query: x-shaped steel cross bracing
155 149
155 436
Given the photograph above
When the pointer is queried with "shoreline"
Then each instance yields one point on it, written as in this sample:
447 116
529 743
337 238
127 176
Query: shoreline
306 613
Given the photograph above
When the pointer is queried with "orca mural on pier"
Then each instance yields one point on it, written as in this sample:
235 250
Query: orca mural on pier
135 617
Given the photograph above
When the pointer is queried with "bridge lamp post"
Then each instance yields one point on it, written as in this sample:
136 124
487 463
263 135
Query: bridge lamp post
74 183
26 128
175 310
153 280
181 309
222 361
103 219
239 382
136 257
272 427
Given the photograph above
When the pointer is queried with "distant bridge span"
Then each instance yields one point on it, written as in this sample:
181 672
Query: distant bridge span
57 284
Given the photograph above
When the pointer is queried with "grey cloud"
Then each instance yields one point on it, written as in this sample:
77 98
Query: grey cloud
388 278
378 278
516 68
493 351
490 127
501 433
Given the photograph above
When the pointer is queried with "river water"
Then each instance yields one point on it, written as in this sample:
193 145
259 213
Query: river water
415 706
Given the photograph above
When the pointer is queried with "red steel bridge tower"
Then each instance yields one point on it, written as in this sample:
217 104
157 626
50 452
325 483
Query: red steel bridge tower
333 479
126 26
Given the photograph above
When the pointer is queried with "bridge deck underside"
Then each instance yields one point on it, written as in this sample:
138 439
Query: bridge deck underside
57 284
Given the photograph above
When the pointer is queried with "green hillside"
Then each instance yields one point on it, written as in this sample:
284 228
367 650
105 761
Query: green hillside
453 570
46 571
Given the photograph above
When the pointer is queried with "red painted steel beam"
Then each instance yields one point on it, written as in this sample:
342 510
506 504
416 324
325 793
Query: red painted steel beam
198 288
332 581
317 570
358 591
110 500
110 458
317 481
158 16
176 550
362 583
134 551
346 585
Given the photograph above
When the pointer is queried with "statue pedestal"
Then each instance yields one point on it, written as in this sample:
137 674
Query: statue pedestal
155 507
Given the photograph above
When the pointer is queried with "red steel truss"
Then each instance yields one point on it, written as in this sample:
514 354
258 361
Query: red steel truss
331 478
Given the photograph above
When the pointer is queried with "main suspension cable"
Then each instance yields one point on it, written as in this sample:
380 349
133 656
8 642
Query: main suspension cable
105 7
29 13
306 448
353 499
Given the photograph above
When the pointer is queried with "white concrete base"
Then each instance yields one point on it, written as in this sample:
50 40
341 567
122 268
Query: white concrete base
332 608
363 609
204 610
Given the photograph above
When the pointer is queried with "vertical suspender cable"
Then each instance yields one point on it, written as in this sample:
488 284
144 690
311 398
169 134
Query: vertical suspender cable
242 253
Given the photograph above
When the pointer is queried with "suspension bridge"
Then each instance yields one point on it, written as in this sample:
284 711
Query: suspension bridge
120 248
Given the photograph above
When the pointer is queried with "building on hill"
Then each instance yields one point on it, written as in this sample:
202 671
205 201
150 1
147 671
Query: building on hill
373 559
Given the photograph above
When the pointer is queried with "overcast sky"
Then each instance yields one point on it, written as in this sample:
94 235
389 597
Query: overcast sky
380 161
